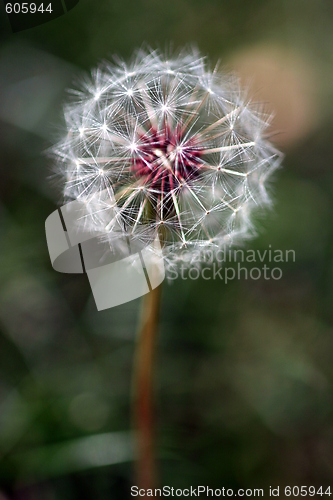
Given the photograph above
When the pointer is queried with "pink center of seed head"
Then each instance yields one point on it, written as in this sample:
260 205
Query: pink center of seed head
165 160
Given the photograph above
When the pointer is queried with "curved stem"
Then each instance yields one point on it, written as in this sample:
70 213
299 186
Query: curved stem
143 414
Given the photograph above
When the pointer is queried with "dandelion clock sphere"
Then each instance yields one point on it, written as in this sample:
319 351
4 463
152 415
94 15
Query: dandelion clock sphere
176 150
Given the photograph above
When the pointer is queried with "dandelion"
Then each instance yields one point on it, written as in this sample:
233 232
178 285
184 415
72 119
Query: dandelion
165 148
175 149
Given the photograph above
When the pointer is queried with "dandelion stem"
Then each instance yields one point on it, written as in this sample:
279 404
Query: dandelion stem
143 413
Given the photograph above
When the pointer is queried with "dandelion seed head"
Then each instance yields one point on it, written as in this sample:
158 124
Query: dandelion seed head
167 148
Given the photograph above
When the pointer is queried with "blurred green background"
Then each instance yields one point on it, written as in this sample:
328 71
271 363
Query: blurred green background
244 371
